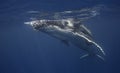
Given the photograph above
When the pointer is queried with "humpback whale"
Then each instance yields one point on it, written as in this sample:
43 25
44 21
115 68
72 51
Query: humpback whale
67 26
69 31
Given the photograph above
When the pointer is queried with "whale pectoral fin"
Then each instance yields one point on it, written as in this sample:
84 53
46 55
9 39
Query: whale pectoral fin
65 42
85 30
88 43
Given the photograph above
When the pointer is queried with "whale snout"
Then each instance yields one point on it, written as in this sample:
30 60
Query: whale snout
37 24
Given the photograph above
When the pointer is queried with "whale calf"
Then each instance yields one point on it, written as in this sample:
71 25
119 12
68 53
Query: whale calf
69 31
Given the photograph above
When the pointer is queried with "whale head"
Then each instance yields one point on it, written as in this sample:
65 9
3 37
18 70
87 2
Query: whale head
42 24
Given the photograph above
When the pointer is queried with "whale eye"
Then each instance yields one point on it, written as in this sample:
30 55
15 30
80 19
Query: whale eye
66 23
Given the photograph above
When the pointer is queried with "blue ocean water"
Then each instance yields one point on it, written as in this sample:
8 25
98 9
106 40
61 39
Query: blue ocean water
23 50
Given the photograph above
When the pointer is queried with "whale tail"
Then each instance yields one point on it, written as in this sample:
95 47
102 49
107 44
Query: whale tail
89 55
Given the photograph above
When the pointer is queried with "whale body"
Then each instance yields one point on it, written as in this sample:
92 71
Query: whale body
70 31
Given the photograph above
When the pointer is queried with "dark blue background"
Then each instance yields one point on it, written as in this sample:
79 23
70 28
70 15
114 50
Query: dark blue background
23 50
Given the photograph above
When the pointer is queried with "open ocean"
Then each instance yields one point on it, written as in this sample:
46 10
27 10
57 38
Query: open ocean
23 50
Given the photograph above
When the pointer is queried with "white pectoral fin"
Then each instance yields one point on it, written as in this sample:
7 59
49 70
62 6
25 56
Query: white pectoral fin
86 30
100 48
92 42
